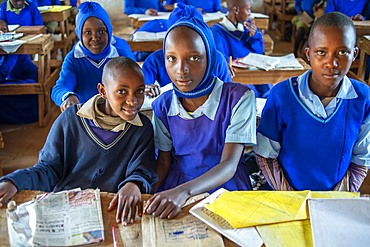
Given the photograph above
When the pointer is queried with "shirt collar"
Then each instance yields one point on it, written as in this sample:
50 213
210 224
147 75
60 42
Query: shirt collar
346 90
78 52
209 108
230 26
9 7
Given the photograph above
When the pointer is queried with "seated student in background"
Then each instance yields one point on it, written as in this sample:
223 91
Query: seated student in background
202 125
352 8
154 65
237 37
16 69
148 7
52 25
83 66
207 6
303 9
105 143
20 12
314 132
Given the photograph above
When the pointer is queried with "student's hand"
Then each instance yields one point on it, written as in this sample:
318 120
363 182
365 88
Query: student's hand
151 12
128 201
71 100
7 191
166 204
250 27
357 17
232 71
152 90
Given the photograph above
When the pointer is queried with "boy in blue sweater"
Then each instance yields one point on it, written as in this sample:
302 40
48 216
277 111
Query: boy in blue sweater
202 125
83 66
17 69
105 143
314 132
20 12
148 7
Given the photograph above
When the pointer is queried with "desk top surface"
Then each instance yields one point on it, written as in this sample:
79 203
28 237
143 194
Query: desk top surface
41 45
130 233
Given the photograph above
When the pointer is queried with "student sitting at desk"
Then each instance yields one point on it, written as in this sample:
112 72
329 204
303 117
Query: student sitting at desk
52 25
202 125
154 67
20 12
17 69
206 6
314 132
83 66
237 37
351 8
105 143
148 7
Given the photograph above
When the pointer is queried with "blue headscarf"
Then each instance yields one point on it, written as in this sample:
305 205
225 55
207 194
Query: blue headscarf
189 16
86 10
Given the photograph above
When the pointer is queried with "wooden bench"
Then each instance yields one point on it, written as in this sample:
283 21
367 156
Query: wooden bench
48 73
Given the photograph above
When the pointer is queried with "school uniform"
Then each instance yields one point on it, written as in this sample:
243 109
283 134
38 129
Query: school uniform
315 144
18 109
78 153
28 16
207 6
305 6
154 69
81 69
347 7
40 3
140 6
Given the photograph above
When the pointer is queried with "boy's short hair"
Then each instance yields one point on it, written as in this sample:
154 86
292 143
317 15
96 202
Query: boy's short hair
118 64
333 19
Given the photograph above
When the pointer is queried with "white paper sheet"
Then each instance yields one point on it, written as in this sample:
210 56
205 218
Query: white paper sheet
340 222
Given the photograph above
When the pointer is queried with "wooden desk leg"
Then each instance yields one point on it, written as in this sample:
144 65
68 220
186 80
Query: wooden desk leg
362 65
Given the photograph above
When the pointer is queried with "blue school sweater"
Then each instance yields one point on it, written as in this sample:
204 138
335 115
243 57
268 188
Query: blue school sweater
207 6
140 6
347 7
46 2
305 5
315 153
29 15
198 143
237 44
80 76
18 109
154 69
74 157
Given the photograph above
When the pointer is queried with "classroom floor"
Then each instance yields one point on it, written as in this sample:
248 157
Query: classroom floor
23 142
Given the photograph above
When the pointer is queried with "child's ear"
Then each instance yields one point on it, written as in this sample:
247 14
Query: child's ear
307 52
355 53
101 89
236 9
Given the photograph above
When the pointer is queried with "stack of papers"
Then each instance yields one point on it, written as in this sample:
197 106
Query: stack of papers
148 36
268 62
258 16
143 17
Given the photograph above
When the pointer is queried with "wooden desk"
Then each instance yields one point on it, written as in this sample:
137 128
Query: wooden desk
364 45
48 72
246 76
31 29
145 45
132 233
362 27
268 43
67 33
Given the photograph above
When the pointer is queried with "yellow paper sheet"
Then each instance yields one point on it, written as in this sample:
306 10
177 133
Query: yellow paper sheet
56 8
253 208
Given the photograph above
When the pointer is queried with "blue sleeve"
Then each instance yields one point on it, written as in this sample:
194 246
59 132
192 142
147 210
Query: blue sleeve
3 12
255 43
37 18
129 8
67 80
149 69
297 6
221 41
123 48
366 11
330 7
25 69
171 1
49 168
217 5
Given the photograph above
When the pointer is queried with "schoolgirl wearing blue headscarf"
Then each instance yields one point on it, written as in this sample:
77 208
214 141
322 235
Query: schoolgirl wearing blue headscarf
83 66
202 125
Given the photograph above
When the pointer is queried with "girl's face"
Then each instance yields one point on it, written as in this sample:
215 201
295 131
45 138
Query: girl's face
185 58
18 4
94 35
124 93
331 53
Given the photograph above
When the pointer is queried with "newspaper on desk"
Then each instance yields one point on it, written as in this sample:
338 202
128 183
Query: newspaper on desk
269 62
66 218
